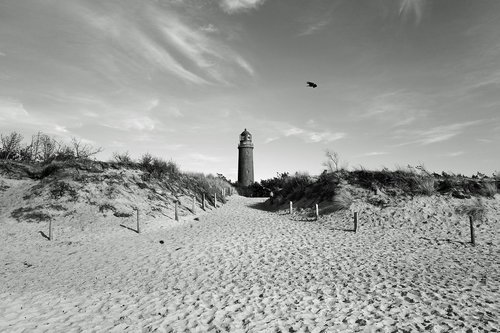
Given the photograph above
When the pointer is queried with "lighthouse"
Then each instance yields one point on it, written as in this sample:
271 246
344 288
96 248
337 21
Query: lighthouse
245 159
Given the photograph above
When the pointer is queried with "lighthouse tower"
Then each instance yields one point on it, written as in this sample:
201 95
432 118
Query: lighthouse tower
245 159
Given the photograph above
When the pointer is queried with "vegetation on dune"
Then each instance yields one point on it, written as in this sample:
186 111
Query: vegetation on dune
406 181
474 209
44 149
44 156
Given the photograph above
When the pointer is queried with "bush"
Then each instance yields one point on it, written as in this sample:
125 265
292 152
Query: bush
342 201
160 168
122 158
489 189
425 185
474 209
49 170
145 161
207 184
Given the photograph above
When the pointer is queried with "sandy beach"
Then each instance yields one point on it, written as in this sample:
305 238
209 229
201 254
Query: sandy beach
243 269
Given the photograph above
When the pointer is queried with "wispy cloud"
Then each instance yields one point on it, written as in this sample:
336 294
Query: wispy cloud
165 39
412 7
203 157
173 112
315 27
454 154
135 123
136 43
237 6
245 65
438 133
397 108
14 113
12 110
484 140
271 139
312 136
209 28
375 153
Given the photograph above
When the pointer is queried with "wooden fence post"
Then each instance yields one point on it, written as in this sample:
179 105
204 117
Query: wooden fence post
355 221
176 210
215 199
203 201
317 212
472 238
50 230
138 226
291 207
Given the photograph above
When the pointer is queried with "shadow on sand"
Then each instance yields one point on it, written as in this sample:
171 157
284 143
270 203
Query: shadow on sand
44 235
129 228
340 229
445 240
265 206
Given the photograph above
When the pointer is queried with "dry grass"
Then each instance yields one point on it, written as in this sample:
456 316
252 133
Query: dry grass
474 209
341 200
489 189
425 185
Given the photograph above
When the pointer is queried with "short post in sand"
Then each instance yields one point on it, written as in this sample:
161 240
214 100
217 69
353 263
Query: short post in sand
215 199
138 226
177 210
203 201
291 207
355 221
194 204
50 230
472 238
317 212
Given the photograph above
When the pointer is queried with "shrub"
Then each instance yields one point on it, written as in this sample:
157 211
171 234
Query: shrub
160 168
49 170
61 188
341 201
30 214
146 160
206 184
425 185
11 145
474 209
489 189
326 186
122 158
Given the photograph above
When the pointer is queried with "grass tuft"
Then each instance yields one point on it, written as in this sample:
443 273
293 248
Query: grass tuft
474 209
342 201
489 189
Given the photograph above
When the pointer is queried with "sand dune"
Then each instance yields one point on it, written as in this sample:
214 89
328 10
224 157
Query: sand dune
241 269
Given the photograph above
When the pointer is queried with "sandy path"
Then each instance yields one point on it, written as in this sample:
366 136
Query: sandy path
240 269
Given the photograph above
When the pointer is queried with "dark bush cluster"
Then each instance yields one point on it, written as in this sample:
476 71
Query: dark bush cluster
283 186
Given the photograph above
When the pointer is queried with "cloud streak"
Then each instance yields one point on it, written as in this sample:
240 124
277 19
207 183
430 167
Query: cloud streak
311 136
238 6
166 40
398 108
408 8
375 153
439 133
315 27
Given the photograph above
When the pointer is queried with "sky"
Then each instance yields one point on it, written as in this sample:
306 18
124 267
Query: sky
400 82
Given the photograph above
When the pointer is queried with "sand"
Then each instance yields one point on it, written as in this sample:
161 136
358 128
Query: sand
242 269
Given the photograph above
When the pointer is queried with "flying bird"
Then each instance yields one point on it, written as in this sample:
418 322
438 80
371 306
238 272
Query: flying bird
311 84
